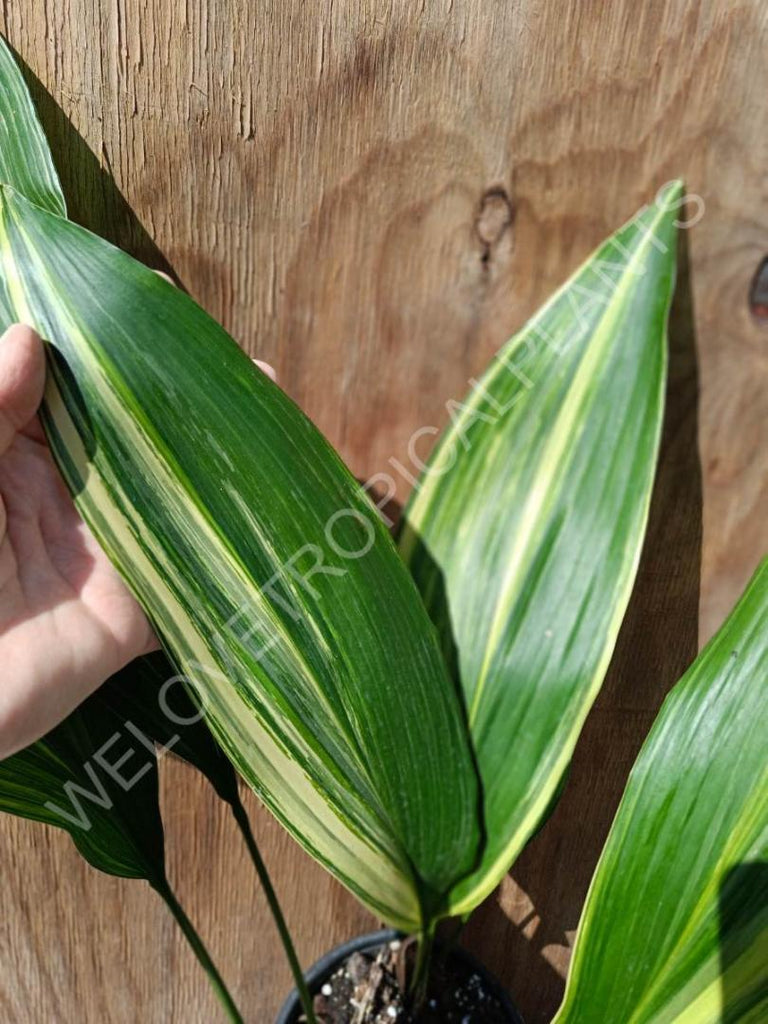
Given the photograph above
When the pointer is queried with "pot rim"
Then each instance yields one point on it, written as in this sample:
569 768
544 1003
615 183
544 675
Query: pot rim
323 968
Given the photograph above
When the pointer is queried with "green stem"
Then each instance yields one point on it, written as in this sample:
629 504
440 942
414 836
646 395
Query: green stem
202 954
285 936
423 962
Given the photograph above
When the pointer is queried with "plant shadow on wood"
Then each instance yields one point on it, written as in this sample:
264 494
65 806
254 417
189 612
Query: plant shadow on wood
743 902
93 199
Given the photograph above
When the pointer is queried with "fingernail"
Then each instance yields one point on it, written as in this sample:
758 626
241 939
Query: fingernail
266 368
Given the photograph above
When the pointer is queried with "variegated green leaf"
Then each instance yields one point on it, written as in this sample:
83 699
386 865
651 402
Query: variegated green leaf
275 588
524 532
25 159
675 927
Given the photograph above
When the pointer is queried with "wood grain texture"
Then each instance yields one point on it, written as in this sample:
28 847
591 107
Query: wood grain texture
373 195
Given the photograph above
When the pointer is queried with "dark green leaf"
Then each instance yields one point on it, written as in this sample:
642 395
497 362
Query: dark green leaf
92 777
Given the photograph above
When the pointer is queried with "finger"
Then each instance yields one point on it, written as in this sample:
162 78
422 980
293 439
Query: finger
166 277
266 368
22 378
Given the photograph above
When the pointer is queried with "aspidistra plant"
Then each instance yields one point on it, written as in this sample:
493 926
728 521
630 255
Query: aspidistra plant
407 713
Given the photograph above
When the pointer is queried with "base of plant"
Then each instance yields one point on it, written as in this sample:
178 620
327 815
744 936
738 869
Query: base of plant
365 981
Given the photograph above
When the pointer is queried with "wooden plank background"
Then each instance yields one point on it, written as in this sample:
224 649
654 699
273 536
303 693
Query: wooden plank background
373 195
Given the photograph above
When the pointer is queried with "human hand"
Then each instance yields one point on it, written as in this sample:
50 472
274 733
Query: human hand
67 620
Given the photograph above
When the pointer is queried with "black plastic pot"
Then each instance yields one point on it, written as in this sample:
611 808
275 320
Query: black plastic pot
326 967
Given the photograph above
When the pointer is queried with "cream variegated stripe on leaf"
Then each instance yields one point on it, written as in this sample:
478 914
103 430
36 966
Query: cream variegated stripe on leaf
273 584
524 532
675 926
25 159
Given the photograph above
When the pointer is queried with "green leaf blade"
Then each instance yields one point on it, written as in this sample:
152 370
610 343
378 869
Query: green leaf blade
61 781
675 927
25 159
561 434
213 494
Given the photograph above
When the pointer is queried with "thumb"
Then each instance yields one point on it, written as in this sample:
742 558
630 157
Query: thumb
22 378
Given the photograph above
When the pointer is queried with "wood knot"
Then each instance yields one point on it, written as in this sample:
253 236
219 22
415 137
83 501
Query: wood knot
494 216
